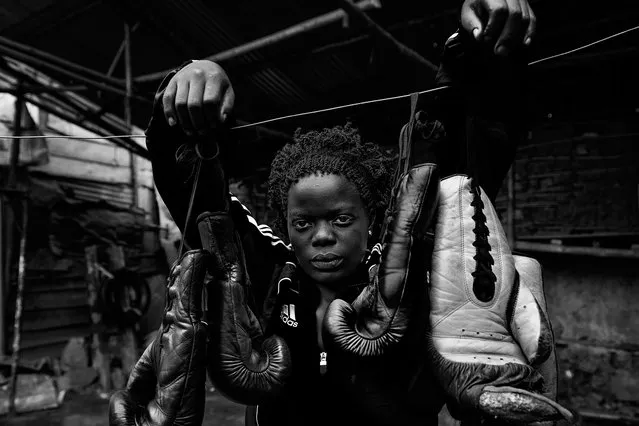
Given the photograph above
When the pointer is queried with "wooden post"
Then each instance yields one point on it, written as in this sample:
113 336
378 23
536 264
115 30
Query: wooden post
128 350
119 53
17 131
15 355
11 183
127 74
127 110
101 360
116 59
6 254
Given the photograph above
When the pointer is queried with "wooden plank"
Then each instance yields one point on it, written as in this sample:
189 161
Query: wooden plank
63 127
94 186
55 300
46 320
122 200
577 236
94 153
574 250
82 170
48 285
33 339
53 350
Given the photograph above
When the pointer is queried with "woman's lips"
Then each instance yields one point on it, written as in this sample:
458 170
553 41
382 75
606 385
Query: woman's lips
326 263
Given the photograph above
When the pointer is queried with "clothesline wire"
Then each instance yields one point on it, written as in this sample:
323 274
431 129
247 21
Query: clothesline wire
335 108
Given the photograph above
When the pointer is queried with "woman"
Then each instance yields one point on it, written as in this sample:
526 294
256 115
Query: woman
327 189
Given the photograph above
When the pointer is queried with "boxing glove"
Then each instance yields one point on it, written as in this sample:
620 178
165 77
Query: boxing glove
167 384
244 365
490 337
379 317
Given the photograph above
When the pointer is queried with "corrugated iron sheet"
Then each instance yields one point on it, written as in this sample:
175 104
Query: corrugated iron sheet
116 195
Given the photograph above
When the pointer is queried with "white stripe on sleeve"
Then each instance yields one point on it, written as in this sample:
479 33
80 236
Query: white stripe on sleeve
263 229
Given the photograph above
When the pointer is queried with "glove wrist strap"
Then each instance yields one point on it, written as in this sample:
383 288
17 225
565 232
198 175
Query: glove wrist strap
198 170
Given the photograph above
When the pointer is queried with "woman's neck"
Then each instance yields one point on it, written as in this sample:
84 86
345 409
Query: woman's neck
327 295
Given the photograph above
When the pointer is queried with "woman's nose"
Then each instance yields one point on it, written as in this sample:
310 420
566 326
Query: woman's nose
324 235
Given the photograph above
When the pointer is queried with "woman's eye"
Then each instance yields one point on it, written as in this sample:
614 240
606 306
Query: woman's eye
343 220
301 225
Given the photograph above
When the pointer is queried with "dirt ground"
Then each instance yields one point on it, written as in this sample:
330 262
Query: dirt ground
90 410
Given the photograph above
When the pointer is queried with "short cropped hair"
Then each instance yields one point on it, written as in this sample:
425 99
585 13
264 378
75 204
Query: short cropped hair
338 150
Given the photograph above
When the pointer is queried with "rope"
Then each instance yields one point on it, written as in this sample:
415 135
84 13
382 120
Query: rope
319 111
559 55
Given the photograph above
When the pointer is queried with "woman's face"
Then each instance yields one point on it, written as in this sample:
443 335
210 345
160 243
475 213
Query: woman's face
328 227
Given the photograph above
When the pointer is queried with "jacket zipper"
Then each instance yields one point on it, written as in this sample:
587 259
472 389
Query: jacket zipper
322 364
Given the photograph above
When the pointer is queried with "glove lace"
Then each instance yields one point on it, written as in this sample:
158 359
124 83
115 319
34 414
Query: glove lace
484 278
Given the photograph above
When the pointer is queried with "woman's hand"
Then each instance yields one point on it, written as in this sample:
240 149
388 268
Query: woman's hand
198 98
505 25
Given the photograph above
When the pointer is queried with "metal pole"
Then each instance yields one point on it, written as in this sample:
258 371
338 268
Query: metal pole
287 33
15 356
127 109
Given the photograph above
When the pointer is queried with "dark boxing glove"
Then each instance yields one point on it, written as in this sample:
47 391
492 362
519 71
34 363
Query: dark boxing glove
167 384
378 318
491 342
244 365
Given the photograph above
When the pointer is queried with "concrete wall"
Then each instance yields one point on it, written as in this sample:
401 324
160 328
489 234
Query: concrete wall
594 311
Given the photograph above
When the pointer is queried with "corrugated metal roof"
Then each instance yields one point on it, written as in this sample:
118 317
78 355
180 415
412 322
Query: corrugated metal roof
282 79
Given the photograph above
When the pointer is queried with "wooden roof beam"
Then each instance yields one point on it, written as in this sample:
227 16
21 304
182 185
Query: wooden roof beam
272 39
384 36
53 59
38 62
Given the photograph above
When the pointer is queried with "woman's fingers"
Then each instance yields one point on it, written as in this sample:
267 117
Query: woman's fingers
194 104
198 97
182 106
227 104
497 15
168 103
511 36
532 24
505 25
214 92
